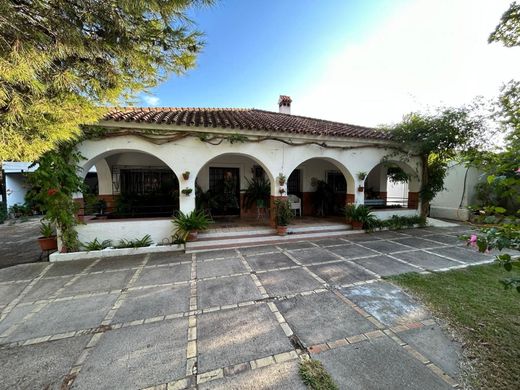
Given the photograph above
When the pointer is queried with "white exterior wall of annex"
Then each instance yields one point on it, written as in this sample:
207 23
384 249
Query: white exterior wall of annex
191 154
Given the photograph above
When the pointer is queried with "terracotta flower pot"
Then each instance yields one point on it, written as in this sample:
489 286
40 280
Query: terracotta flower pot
281 230
48 243
357 225
192 236
361 189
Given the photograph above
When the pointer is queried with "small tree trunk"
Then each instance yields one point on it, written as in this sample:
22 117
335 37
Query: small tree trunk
425 203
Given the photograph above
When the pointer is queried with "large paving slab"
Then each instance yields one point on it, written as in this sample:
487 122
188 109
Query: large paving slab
386 302
341 273
326 242
62 268
352 251
98 282
163 275
417 242
386 246
384 265
229 337
21 272
378 364
296 245
153 302
280 376
313 255
467 255
331 318
168 257
286 282
136 357
431 342
206 269
426 260
217 254
14 316
257 250
10 291
44 288
119 262
226 291
65 316
269 261
40 366
445 239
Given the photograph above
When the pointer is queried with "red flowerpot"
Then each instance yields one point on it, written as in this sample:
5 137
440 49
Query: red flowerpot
361 189
357 225
192 236
281 230
48 243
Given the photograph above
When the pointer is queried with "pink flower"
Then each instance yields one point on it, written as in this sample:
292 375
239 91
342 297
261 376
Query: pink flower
518 171
473 240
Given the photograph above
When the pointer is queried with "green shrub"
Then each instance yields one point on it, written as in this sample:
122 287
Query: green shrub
361 213
135 243
3 213
96 245
186 223
284 214
46 229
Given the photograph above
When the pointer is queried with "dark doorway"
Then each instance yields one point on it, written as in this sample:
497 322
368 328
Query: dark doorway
224 183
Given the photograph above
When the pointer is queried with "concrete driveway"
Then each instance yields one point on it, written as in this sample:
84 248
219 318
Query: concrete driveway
238 318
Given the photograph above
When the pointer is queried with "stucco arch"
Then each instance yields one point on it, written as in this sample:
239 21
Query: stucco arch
260 162
341 167
413 173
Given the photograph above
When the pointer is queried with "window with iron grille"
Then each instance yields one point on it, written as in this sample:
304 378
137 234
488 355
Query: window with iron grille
293 183
337 181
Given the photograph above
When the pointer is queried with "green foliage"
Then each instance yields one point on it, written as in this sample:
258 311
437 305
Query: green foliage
323 198
483 315
135 243
236 138
54 183
20 210
397 175
438 137
360 213
499 237
396 222
97 246
186 223
284 214
62 63
258 191
205 200
46 229
315 376
508 30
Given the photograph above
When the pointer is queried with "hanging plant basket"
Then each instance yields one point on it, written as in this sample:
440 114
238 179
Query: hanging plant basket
281 179
187 191
186 175
361 189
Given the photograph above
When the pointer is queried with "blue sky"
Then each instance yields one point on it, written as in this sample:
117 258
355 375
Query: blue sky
349 60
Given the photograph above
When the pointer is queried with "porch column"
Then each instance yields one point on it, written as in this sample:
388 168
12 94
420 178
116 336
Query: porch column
187 202
359 195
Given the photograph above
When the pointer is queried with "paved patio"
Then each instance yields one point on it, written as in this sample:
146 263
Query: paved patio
232 319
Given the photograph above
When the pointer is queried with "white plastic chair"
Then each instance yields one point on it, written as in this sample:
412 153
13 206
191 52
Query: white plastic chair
296 204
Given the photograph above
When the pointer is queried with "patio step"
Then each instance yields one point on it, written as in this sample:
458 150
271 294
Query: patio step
207 242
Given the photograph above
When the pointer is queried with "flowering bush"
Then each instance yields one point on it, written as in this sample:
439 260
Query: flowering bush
500 237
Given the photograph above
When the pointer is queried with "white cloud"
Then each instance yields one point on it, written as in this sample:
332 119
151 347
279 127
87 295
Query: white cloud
427 53
151 100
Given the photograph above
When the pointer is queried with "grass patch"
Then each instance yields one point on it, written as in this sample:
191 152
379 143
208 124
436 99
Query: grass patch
315 376
486 316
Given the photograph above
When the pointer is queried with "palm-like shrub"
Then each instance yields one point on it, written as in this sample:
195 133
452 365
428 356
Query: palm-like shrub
360 213
190 222
257 192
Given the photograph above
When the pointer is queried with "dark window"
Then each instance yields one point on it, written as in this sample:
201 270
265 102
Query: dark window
337 181
258 171
293 184
146 181
224 183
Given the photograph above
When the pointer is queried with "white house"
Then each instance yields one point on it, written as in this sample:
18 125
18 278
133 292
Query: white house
14 182
148 159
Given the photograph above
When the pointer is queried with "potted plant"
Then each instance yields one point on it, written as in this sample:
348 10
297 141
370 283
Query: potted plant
188 225
359 216
186 175
284 215
281 179
281 190
257 192
48 240
361 176
187 191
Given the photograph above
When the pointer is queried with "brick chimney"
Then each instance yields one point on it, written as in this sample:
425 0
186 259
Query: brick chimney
284 104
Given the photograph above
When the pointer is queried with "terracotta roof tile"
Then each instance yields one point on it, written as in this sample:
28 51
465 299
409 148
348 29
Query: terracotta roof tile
245 119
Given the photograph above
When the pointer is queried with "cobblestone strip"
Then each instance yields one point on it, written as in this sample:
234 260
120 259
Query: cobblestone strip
105 326
39 307
191 349
7 309
252 273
